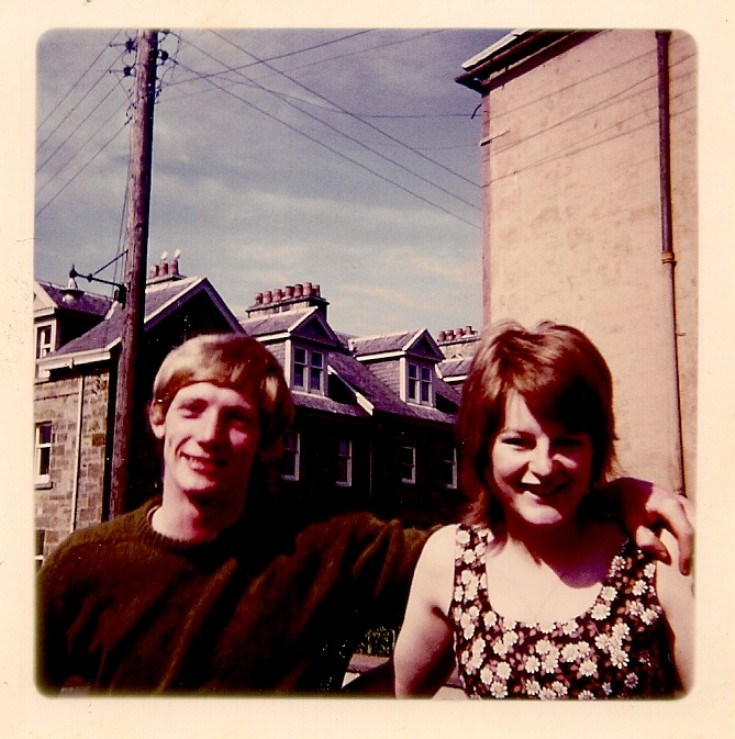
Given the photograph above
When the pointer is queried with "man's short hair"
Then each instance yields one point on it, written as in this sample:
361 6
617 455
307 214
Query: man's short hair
235 361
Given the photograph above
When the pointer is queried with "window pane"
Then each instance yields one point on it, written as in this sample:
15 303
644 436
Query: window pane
298 375
316 379
299 355
44 460
424 392
44 433
317 359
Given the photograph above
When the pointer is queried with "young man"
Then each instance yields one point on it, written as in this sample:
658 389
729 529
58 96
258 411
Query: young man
205 590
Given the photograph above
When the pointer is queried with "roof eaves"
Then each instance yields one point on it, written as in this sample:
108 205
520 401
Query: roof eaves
379 355
69 361
517 47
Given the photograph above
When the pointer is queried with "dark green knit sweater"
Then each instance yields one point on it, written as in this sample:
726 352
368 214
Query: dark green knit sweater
124 609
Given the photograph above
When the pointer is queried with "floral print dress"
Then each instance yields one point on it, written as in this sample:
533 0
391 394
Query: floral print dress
617 648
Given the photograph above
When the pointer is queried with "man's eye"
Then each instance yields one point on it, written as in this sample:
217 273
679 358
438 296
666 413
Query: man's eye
190 409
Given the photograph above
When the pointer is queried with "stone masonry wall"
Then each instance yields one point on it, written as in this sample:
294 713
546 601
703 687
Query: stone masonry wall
73 497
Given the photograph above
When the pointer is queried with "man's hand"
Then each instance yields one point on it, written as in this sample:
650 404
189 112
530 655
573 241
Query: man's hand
645 508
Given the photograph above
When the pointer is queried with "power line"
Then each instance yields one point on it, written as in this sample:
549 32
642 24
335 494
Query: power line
347 112
338 153
76 130
361 143
71 89
87 163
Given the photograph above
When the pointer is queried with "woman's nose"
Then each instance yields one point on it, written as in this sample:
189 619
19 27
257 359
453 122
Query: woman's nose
541 463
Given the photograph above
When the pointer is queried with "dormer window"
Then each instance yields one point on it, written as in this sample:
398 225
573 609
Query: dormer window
419 384
44 340
308 370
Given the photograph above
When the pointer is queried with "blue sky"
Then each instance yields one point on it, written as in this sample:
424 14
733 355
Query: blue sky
343 157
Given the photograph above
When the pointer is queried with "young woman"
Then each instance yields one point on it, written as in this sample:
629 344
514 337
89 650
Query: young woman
537 596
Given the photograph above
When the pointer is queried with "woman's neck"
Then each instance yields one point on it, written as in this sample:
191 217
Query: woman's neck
553 545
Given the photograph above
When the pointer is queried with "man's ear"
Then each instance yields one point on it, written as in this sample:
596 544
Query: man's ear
157 420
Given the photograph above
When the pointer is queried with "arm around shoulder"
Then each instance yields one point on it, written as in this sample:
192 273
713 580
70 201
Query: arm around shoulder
423 655
676 595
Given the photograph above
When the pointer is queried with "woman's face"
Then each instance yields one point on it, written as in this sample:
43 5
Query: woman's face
540 470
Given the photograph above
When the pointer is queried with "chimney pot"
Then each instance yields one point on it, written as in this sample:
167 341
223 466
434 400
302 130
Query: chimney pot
450 334
468 331
258 298
442 336
174 267
308 288
459 333
267 297
277 295
288 291
153 270
298 290
318 290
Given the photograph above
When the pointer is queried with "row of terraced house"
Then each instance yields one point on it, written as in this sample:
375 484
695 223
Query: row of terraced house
374 415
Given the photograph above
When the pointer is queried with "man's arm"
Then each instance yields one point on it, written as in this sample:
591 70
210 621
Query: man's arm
645 508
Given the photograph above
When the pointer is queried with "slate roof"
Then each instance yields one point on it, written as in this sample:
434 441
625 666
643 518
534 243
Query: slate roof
456 367
396 342
88 303
273 324
160 299
377 393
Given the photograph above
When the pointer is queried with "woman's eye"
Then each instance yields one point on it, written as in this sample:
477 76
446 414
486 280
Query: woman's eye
516 441
568 442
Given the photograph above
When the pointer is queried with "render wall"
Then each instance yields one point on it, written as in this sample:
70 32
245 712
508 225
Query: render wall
573 230
73 497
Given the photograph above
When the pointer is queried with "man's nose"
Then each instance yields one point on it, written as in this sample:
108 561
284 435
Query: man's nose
210 426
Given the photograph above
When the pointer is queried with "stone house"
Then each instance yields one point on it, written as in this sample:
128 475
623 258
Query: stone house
590 215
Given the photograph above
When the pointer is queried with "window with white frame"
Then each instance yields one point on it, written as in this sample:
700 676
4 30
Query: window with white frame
40 539
308 370
291 459
449 468
419 384
344 462
42 463
44 340
407 462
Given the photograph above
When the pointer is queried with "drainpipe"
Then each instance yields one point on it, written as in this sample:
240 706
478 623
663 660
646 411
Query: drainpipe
77 458
667 246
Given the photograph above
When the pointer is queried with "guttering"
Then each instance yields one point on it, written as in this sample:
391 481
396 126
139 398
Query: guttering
519 46
69 361
668 258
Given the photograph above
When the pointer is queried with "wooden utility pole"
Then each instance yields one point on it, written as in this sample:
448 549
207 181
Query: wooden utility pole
136 246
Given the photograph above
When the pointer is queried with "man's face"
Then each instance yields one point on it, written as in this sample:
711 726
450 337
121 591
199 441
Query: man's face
210 438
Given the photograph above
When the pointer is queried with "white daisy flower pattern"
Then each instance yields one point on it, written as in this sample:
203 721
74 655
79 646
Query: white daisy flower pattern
611 650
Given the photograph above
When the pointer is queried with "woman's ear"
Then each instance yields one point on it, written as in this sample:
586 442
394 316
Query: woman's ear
157 419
